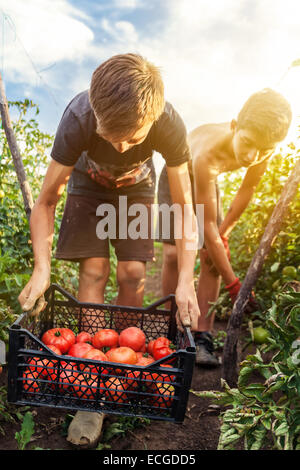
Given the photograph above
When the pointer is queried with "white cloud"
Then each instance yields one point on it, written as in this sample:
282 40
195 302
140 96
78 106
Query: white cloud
49 32
120 31
131 4
213 54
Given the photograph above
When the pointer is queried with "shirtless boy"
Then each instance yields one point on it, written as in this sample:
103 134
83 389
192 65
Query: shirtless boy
247 142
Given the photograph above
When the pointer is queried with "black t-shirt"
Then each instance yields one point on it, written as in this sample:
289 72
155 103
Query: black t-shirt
100 170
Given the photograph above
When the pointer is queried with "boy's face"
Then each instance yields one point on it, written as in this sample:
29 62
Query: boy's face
247 150
126 143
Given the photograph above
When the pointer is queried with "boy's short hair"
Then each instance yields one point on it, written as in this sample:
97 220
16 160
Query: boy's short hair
268 114
126 92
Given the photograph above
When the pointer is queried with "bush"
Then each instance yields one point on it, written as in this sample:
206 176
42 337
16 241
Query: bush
264 410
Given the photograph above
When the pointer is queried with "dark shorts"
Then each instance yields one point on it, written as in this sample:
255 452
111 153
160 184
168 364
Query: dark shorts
164 197
78 238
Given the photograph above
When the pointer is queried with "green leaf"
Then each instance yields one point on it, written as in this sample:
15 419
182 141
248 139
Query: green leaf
244 375
267 422
259 436
27 429
275 267
282 429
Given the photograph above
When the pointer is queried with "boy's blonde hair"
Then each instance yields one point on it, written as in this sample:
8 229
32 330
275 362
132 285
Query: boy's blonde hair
126 93
268 114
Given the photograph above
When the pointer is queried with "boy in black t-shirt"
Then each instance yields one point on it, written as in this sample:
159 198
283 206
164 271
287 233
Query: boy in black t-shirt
103 149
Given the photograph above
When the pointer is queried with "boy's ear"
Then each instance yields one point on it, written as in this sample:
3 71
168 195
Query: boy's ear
233 125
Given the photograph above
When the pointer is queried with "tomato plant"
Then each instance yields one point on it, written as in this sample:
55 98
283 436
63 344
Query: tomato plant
266 413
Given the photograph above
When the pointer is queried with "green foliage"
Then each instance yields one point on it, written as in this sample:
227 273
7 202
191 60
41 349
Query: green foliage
27 429
16 257
246 235
123 425
8 412
264 410
15 247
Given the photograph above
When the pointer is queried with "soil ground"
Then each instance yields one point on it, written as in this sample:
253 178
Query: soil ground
199 431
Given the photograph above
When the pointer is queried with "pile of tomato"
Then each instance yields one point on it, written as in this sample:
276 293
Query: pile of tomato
107 346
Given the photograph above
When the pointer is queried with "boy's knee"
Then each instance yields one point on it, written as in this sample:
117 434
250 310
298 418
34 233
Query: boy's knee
94 272
131 273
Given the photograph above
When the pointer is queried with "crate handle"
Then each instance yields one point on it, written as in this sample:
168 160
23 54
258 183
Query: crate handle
161 301
60 289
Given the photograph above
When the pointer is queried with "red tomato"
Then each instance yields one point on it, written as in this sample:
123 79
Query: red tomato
164 395
62 338
150 347
96 355
84 337
144 361
38 365
30 382
55 349
116 390
105 338
133 338
158 378
79 349
84 386
162 347
136 376
67 376
140 354
42 365
123 355
109 353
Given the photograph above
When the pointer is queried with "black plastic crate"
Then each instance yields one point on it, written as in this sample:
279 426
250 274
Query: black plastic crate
39 377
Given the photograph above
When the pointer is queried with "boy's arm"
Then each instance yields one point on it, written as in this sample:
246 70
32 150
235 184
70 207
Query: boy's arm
186 299
242 198
42 231
205 193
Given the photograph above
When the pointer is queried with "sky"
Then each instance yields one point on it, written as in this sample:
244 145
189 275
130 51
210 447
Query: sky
212 54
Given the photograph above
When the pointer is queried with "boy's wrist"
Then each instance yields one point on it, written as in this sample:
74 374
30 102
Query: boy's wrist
42 267
233 289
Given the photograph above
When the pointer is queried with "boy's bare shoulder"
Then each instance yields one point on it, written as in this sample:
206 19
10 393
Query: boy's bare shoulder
203 141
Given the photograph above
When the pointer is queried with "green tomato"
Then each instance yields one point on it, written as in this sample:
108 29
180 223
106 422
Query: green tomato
276 284
290 271
260 335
